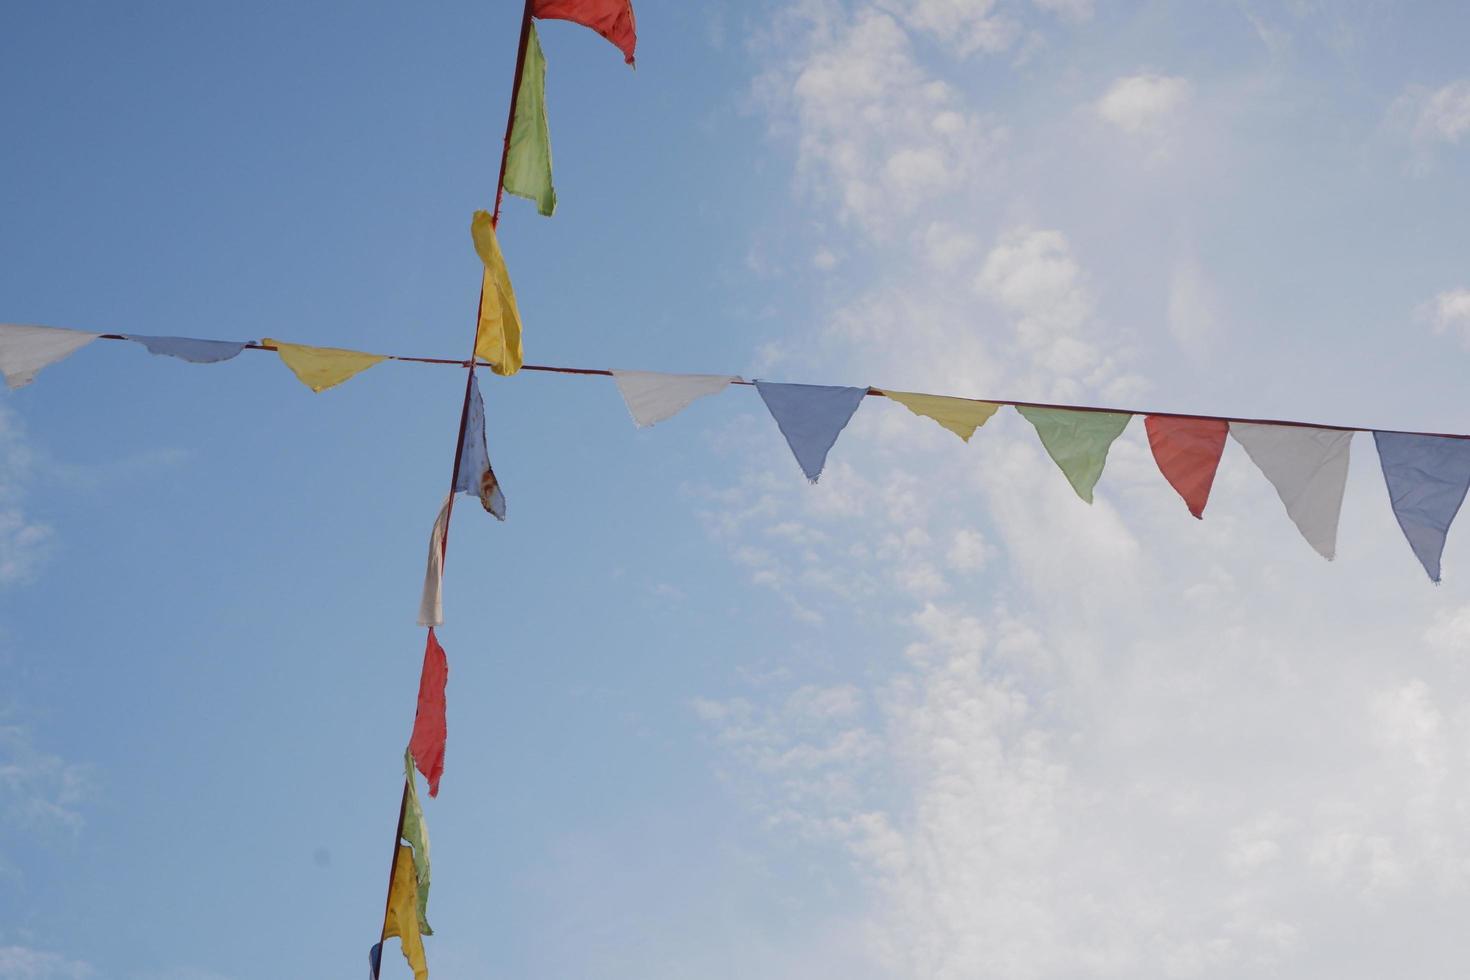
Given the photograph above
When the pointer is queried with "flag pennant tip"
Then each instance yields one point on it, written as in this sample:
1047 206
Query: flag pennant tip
652 397
25 350
320 368
430 729
810 417
1308 467
1187 451
1077 441
613 19
962 416
498 333
1427 477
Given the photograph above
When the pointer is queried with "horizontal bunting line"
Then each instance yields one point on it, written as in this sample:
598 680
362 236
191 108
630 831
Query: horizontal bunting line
878 393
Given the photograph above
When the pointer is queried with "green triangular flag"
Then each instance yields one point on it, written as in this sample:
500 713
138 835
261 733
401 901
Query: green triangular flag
416 832
528 164
1077 441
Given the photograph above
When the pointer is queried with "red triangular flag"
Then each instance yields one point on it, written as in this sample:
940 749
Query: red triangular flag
429 726
613 19
1188 453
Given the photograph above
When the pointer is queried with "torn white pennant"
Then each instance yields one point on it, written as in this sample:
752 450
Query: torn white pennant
431 606
652 397
25 350
1309 468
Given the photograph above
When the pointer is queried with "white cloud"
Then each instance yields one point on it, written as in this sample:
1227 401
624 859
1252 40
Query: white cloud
876 133
1076 11
1443 113
1450 314
38 790
23 963
1144 103
964 26
24 542
1431 119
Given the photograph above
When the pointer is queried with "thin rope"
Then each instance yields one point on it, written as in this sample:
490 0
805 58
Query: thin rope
879 392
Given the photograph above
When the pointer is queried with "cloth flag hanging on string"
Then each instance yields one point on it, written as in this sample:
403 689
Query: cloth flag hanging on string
1427 477
430 727
498 336
652 397
962 416
613 19
1308 467
402 916
528 160
191 350
431 603
416 832
1188 453
25 350
476 477
810 417
1077 441
320 368
375 961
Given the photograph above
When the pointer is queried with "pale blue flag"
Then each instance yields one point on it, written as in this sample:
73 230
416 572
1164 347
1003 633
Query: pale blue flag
476 478
1427 477
188 349
810 417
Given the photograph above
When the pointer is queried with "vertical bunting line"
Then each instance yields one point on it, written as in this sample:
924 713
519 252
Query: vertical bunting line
464 412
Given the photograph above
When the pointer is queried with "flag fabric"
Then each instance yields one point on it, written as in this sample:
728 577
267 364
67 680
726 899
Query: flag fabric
430 728
810 417
613 19
431 603
416 832
402 918
191 350
25 350
1077 441
652 397
476 477
1188 453
375 961
962 416
1427 477
498 336
1308 467
320 368
528 160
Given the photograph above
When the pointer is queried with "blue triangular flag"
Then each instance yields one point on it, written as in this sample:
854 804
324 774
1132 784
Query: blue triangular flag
1427 477
476 478
188 349
375 961
810 417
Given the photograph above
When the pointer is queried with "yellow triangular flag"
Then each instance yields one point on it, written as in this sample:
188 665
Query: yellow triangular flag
962 416
319 368
403 917
498 337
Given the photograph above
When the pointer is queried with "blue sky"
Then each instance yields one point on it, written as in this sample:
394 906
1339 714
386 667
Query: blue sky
934 717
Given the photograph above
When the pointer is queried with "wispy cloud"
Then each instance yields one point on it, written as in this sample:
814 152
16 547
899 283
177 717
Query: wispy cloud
1065 741
24 963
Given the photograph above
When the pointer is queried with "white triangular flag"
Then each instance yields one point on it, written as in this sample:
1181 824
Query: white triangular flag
431 605
652 397
1309 468
25 350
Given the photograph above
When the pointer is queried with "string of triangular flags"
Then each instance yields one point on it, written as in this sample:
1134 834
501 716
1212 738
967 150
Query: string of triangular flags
1427 474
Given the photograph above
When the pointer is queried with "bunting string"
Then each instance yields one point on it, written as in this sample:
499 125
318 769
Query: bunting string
871 392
